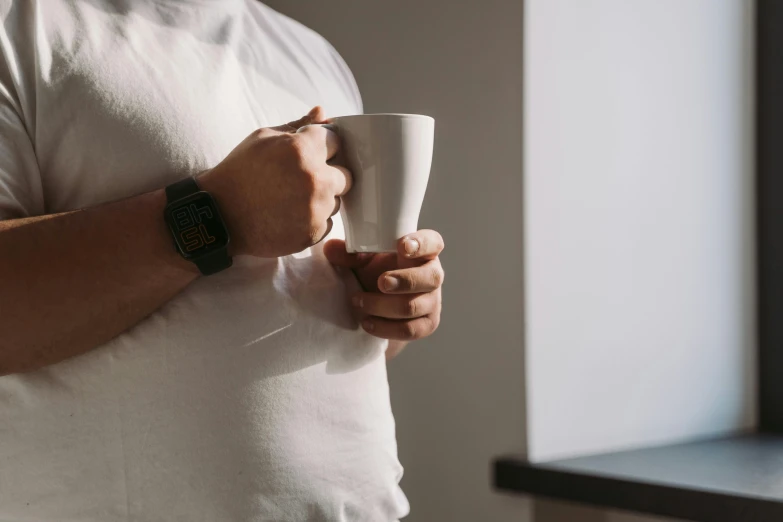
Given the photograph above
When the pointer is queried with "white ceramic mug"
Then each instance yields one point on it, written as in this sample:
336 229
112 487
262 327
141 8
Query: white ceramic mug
389 156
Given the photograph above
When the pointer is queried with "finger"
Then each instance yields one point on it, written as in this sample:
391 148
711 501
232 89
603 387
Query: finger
327 207
424 244
329 225
335 253
316 115
340 179
401 329
404 306
419 279
323 141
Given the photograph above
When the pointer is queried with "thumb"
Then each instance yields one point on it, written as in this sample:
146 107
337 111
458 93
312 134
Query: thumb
335 253
316 115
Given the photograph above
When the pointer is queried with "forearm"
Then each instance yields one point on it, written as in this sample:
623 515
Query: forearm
70 282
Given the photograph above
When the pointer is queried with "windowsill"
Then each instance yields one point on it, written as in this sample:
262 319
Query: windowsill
730 479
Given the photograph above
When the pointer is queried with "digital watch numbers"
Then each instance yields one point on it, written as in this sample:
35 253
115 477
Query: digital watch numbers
190 225
196 225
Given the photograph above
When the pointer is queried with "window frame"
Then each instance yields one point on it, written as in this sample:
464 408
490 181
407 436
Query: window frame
769 212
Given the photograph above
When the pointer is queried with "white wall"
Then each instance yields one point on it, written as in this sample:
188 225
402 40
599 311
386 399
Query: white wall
638 222
459 397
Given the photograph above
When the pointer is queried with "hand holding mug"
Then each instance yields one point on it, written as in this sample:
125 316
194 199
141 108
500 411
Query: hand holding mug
276 191
402 297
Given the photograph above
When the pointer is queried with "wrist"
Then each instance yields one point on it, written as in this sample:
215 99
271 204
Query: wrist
221 187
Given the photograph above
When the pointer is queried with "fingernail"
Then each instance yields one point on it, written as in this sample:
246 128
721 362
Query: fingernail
411 246
368 325
357 301
390 283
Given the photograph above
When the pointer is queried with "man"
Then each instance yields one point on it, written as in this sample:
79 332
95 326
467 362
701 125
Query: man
133 387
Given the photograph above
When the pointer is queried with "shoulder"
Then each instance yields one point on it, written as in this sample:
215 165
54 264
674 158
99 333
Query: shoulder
304 40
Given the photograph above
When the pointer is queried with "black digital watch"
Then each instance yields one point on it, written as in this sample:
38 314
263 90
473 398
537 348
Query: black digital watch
200 234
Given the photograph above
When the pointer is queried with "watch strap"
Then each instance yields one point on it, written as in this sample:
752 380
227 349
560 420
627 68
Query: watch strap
181 189
212 262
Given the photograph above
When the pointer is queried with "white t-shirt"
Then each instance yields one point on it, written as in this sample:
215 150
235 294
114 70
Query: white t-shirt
252 395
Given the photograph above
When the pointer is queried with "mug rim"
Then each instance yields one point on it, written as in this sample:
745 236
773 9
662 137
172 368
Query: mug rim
392 114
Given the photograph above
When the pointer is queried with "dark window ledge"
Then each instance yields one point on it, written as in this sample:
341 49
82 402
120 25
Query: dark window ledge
736 479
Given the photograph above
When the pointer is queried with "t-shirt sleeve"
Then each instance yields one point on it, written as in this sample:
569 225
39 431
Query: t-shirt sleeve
347 81
20 179
321 56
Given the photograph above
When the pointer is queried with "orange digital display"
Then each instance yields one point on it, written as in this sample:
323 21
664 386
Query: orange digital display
196 237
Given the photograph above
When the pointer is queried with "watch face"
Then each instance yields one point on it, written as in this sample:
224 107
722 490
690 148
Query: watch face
196 225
